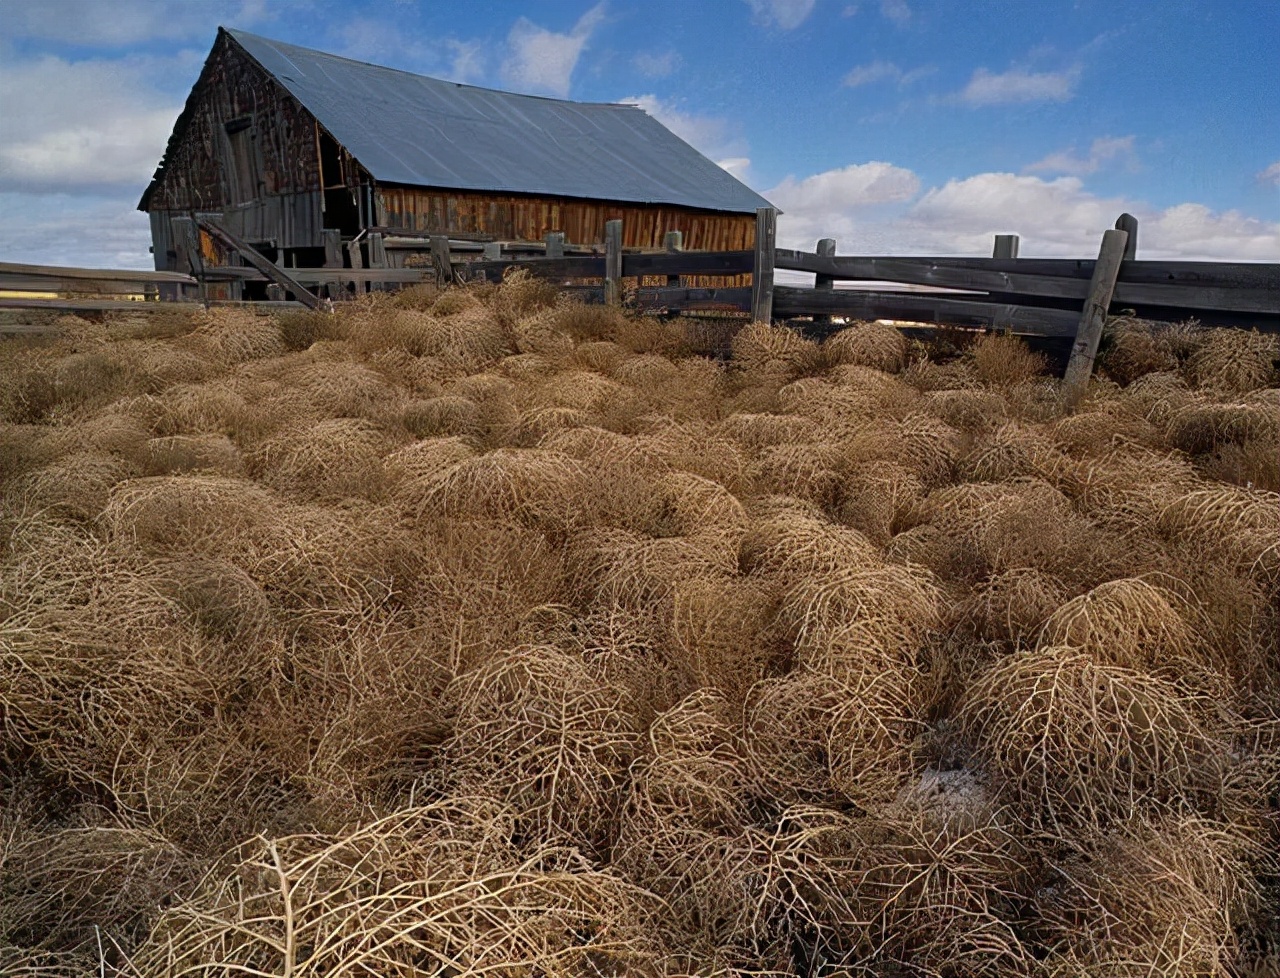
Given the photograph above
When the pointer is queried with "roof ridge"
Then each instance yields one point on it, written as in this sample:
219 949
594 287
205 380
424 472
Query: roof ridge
236 34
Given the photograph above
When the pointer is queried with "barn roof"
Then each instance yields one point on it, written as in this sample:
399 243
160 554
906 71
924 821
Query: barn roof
410 129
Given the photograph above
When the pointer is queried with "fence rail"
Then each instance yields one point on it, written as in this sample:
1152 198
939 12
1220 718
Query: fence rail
1041 297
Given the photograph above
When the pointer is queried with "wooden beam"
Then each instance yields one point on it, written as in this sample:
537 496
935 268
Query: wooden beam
1129 224
268 268
332 239
441 260
922 308
1094 315
673 243
762 268
613 262
1006 246
1184 285
826 249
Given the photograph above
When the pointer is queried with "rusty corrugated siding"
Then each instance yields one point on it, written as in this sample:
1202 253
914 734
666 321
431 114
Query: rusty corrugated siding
528 218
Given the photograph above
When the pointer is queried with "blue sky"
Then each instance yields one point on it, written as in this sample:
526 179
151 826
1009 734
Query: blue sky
896 126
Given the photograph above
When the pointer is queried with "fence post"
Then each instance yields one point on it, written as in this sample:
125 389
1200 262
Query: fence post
1094 315
555 244
1129 224
612 262
332 239
1006 246
441 261
826 249
762 270
673 242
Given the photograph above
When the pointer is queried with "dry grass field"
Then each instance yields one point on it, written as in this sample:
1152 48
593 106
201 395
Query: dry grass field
474 633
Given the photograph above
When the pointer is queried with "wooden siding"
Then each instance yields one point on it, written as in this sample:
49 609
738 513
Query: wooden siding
199 166
529 218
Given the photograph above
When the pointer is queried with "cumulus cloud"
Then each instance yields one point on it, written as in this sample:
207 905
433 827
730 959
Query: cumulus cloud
1105 151
84 124
95 231
836 203
877 208
129 22
1019 85
877 71
896 10
1271 174
542 61
656 65
871 72
784 14
710 135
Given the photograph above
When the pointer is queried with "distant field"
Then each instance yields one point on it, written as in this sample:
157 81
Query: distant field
472 632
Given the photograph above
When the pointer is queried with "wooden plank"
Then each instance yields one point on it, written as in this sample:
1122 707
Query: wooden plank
1129 224
925 308
96 274
762 267
1203 274
441 260
377 251
1007 278
124 305
612 262
1006 246
672 244
268 268
554 268
679 299
555 244
332 239
826 249
688 263
493 251
1094 315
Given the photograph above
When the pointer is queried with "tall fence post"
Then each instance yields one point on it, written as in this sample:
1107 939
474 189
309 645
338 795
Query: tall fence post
441 260
1101 287
672 243
612 262
332 238
1129 224
826 249
762 269
555 244
1006 246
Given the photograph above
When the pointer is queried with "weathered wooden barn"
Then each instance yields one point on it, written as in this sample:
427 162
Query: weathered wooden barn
283 144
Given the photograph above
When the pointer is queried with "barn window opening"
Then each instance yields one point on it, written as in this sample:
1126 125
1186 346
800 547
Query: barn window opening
243 161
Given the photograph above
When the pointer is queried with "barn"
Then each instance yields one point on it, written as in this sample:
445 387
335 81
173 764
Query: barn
309 157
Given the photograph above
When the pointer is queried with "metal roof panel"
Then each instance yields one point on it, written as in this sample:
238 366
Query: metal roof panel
411 129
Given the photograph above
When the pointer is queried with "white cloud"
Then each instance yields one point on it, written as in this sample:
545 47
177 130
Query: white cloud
784 14
836 203
654 65
896 10
1104 150
466 60
543 61
96 231
1271 174
876 71
876 208
872 72
710 135
72 125
1018 85
737 166
129 22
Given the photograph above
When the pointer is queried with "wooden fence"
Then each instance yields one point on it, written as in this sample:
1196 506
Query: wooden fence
1039 297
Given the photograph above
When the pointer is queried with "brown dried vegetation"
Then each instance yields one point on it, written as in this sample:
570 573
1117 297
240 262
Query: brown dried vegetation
476 632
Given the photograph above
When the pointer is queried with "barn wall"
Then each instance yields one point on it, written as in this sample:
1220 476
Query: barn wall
529 218
279 199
